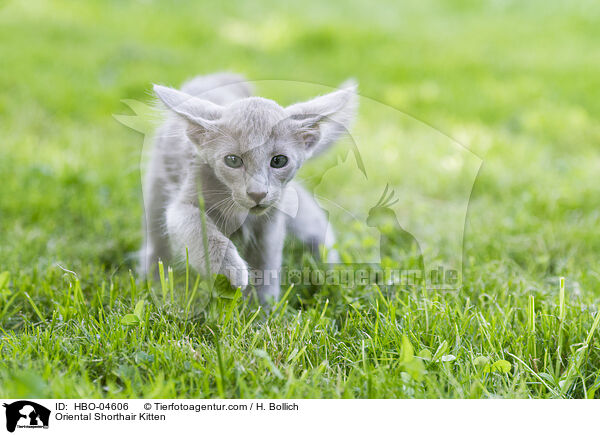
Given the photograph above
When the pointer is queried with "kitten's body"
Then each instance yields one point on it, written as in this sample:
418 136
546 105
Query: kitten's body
248 209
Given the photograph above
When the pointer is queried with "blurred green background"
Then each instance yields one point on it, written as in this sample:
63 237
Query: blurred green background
515 82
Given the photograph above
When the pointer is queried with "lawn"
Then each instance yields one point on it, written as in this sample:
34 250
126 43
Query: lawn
516 83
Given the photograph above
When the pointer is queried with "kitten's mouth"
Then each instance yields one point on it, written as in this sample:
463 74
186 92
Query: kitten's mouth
259 209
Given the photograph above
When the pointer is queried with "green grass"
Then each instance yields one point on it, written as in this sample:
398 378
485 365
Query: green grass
516 83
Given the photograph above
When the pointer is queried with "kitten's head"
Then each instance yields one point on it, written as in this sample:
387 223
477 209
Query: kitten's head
254 146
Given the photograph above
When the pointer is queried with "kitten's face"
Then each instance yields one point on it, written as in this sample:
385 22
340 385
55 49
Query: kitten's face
255 149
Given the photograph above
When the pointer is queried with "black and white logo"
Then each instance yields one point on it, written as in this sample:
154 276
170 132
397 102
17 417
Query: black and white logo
25 414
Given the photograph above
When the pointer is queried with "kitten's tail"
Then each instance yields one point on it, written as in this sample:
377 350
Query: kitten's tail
220 88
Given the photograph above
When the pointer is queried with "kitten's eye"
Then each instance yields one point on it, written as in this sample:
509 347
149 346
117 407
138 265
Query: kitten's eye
279 161
233 161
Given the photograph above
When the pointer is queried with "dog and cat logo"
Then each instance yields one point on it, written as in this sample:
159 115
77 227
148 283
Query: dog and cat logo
25 414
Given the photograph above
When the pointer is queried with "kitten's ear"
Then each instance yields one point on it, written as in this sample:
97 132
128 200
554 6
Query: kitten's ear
322 120
201 114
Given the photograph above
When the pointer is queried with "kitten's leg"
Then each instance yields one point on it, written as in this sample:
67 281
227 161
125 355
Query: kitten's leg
265 256
311 226
184 225
156 242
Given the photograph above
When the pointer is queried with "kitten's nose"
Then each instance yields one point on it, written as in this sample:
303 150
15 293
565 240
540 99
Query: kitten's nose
257 196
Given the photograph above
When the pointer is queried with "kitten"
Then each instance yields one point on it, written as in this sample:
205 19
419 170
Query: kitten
240 153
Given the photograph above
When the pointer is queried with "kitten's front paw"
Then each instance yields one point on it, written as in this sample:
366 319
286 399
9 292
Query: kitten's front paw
236 271
237 278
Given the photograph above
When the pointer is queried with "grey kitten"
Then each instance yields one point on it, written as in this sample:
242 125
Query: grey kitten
240 153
